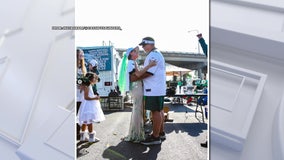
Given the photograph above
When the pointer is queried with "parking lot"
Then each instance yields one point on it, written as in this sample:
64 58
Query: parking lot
184 134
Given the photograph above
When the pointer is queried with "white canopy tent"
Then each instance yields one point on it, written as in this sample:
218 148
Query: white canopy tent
172 70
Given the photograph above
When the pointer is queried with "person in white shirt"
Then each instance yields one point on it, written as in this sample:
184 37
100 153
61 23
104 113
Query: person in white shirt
154 81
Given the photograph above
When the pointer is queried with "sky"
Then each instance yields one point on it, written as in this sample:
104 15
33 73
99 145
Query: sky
168 22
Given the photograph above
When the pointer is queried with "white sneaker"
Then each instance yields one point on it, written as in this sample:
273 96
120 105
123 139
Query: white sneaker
92 137
83 136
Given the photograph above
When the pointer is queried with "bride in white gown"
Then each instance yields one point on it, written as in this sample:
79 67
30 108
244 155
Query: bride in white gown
135 87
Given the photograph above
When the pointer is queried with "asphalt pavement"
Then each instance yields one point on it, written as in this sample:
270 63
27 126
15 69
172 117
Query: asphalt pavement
184 134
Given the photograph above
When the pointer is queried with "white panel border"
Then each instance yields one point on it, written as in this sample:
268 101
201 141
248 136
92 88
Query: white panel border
228 136
37 94
57 146
231 105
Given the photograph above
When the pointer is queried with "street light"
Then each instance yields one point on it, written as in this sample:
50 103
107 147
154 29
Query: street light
196 30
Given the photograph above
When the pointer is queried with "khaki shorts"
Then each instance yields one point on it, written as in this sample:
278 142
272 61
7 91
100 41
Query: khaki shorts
154 103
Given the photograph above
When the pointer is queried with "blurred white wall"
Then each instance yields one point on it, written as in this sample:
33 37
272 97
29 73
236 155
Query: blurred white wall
36 79
249 34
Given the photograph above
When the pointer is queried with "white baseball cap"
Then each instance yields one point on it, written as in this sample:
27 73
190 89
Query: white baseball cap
129 50
93 63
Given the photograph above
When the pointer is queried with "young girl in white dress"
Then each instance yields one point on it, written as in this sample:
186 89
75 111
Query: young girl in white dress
90 110
136 129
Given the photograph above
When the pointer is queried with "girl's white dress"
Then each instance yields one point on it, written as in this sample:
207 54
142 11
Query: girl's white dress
90 110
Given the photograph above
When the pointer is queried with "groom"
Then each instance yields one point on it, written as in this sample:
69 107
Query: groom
154 81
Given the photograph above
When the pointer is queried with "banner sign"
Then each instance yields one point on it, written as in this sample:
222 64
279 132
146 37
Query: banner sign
101 54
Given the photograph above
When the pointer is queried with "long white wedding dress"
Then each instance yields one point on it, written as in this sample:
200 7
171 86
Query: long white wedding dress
136 130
